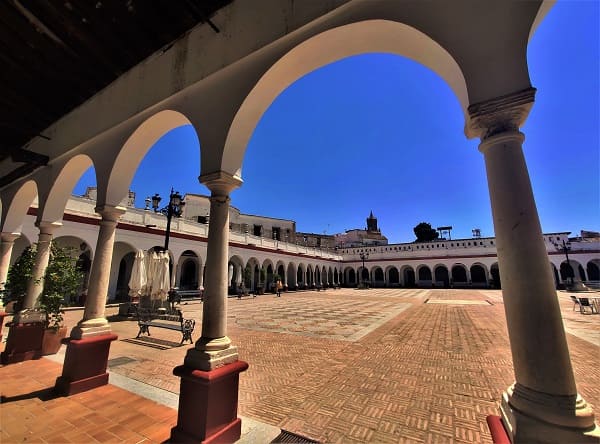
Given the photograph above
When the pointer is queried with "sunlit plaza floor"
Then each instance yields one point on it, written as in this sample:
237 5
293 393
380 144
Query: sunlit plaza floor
349 366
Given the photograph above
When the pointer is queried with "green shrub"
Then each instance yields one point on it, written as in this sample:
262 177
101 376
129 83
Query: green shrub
62 278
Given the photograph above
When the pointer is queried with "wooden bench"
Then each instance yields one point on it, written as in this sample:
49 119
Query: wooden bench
163 318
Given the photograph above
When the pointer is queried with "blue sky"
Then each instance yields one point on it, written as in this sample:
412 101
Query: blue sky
381 133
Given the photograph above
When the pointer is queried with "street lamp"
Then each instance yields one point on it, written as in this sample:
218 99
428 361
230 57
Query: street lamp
566 246
174 208
363 256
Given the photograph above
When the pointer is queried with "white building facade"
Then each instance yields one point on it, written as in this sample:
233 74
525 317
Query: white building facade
463 263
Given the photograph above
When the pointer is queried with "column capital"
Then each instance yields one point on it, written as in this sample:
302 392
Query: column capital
6 236
220 182
110 212
48 227
504 113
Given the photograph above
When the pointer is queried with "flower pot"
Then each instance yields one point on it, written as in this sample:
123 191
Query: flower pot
52 340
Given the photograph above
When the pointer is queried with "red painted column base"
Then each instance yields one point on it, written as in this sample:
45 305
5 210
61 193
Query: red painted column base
208 404
24 342
85 364
497 430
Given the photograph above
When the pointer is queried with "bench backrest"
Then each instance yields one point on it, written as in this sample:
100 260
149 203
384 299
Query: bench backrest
148 314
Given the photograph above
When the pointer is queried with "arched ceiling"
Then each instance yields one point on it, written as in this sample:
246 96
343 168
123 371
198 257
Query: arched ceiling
56 54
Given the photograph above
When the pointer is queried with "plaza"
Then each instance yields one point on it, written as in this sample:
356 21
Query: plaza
347 366
425 364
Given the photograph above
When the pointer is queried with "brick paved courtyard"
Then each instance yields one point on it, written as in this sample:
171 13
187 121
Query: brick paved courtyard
356 366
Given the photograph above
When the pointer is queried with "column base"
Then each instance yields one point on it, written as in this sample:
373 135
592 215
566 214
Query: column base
551 421
85 364
24 342
91 327
208 404
210 360
497 430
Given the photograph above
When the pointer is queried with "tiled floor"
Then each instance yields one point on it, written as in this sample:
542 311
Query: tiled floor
348 366
31 413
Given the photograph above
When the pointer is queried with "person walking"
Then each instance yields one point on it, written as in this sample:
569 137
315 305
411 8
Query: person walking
279 287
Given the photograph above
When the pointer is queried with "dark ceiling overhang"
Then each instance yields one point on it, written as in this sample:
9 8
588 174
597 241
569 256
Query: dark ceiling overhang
56 54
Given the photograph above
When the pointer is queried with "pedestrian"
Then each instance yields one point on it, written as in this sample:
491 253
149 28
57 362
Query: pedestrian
279 287
239 291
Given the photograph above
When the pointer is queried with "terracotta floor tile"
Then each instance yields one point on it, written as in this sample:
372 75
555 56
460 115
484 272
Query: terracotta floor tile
375 366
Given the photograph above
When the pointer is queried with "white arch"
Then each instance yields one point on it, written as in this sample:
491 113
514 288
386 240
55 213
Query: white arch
132 153
15 209
362 37
52 206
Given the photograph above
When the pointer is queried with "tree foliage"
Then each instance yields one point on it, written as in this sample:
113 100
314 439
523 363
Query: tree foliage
247 276
62 278
15 287
425 233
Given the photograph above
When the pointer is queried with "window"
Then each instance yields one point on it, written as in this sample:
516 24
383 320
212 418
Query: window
257 230
276 233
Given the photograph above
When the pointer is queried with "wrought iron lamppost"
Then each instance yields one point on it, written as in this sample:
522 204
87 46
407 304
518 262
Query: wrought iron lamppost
566 246
363 256
174 208
573 283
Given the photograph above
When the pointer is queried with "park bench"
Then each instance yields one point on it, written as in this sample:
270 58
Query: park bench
176 295
163 318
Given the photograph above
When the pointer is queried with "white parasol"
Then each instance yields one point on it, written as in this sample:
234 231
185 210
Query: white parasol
137 281
161 283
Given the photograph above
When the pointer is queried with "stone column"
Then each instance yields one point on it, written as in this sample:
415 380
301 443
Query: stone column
35 286
543 404
175 273
7 242
229 274
201 276
88 348
214 348
94 322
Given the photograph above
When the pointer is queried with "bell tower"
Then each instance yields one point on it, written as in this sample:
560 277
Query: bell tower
372 224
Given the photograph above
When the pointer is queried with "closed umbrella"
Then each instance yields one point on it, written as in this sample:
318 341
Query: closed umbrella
137 281
151 266
162 281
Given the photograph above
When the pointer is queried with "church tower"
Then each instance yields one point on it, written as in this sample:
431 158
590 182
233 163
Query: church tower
372 224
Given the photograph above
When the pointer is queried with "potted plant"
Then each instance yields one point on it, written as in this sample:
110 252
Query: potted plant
62 279
19 274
